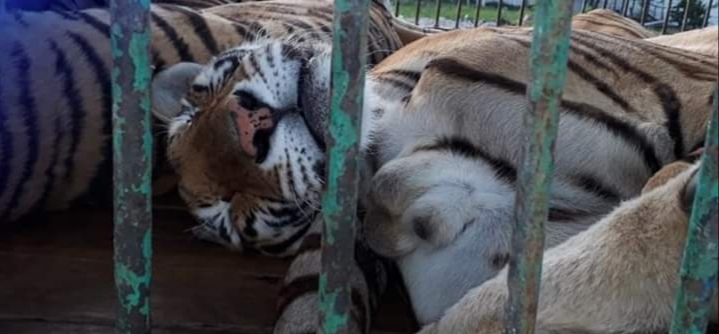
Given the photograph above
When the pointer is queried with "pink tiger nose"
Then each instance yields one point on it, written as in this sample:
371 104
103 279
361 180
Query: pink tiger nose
249 122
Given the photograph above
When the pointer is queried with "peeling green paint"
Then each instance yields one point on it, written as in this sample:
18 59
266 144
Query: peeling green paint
333 321
141 62
132 160
339 203
548 62
698 273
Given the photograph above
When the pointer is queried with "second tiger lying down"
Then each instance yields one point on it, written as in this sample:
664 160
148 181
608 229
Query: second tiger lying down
442 137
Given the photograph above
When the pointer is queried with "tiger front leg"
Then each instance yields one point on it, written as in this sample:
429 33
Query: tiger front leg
618 276
446 221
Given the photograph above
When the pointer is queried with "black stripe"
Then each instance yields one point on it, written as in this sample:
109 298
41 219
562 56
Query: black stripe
6 144
584 74
64 73
595 186
243 31
503 169
77 110
183 50
616 126
29 112
687 66
668 97
284 245
200 27
560 214
157 61
66 15
396 83
311 242
19 19
618 25
102 180
100 26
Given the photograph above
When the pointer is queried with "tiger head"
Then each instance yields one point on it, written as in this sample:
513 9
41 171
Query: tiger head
246 138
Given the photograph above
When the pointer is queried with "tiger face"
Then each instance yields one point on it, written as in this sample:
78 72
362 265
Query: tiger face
245 136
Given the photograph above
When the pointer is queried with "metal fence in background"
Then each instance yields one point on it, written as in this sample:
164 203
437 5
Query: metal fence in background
664 16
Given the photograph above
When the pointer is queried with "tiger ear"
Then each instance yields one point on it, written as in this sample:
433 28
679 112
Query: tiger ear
169 87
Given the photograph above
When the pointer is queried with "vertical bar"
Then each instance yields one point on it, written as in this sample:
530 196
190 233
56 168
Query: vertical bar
698 273
666 18
584 6
708 14
339 203
437 9
685 17
396 8
416 12
625 7
550 48
459 14
521 12
498 21
605 4
645 8
476 13
132 160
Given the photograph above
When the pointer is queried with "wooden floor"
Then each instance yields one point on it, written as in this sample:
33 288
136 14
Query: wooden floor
56 277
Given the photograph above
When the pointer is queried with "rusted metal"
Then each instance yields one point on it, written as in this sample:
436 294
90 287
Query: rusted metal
550 48
132 159
339 204
698 273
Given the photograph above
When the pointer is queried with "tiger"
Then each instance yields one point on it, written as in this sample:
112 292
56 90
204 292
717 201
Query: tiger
435 166
619 276
55 99
74 5
605 21
704 40
610 22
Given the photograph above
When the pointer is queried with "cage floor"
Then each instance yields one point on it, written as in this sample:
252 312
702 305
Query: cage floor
56 276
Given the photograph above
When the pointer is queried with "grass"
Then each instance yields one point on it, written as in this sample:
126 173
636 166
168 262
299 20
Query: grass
449 12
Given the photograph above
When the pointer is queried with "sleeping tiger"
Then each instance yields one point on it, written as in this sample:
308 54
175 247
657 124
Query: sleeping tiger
74 5
54 146
441 138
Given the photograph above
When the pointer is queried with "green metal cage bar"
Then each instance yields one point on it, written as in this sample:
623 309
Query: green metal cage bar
548 62
339 204
698 272
132 159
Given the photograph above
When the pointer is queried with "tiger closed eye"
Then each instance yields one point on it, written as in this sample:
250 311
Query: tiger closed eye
247 100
